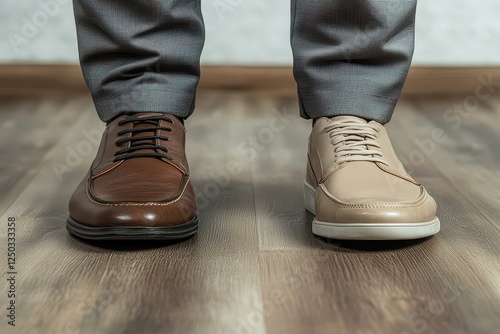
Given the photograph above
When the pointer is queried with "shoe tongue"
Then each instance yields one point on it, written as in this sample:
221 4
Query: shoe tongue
344 118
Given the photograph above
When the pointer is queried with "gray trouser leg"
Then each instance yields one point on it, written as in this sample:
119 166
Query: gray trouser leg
140 55
351 57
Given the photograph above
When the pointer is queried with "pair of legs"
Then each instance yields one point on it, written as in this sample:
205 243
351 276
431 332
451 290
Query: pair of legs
351 57
141 62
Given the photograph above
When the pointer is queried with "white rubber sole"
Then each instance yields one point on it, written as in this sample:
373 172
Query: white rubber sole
360 231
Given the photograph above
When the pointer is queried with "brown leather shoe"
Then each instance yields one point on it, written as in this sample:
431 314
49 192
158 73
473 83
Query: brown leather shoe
358 188
138 186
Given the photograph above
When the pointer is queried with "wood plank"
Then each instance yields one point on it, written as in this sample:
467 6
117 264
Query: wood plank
315 285
469 155
30 129
205 285
254 267
39 79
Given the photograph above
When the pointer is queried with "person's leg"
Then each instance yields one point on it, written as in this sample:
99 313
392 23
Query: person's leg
351 57
140 56
141 62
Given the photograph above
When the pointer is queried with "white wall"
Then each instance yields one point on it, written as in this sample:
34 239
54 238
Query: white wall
256 32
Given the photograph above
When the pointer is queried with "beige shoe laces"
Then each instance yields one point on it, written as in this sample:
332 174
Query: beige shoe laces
354 141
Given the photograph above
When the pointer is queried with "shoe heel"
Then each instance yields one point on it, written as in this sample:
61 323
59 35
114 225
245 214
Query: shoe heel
309 194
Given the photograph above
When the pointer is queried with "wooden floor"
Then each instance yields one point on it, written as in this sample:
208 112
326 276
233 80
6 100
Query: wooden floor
254 266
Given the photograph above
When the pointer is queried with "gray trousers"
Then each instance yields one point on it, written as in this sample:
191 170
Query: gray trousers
351 57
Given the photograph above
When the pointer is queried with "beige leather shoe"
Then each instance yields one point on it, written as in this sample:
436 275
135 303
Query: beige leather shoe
357 187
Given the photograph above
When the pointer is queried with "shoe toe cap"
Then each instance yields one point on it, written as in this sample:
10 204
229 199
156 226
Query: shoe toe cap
86 210
330 209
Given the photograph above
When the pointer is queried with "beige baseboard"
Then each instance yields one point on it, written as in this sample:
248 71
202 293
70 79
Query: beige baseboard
19 80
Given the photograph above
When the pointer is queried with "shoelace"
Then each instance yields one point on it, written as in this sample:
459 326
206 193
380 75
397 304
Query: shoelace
143 142
354 141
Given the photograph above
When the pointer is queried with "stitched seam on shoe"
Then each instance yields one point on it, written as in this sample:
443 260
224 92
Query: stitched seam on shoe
138 204
312 169
116 165
342 166
166 160
400 165
320 162
103 149
374 205
174 165
107 170
397 175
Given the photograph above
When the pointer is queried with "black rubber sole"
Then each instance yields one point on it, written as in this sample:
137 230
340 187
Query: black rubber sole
182 231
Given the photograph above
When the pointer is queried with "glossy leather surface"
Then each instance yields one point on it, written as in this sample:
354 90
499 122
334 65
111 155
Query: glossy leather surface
363 191
143 191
